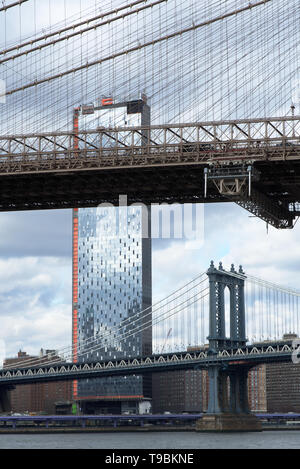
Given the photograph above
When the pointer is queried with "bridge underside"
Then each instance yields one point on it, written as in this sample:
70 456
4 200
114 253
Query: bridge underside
275 196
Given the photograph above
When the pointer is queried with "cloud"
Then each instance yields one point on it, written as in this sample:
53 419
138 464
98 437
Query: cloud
35 303
273 255
35 280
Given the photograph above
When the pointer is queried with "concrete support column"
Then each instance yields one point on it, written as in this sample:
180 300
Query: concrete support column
218 391
5 404
234 393
239 391
223 380
214 404
243 390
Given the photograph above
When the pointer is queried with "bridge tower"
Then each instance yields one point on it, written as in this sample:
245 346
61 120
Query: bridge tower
228 408
219 280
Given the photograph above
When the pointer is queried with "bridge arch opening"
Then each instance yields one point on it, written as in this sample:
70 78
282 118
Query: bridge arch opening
227 297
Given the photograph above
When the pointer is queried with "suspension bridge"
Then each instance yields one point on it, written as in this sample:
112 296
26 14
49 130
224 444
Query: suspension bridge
199 310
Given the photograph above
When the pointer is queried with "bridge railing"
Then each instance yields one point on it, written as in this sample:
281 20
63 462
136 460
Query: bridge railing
275 138
251 355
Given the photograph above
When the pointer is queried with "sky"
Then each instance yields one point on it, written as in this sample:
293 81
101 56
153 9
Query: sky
36 247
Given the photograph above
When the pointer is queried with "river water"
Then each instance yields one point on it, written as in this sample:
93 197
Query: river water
159 440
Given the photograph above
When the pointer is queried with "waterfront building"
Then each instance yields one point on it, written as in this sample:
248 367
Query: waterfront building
275 387
112 284
257 391
38 397
180 391
283 387
272 387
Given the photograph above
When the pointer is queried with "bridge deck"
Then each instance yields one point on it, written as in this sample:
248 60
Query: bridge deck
152 165
249 357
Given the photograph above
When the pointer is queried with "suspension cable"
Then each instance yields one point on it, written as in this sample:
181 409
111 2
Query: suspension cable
81 31
11 5
140 315
135 48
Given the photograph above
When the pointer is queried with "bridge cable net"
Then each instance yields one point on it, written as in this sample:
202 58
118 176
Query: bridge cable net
182 312
226 60
156 320
130 50
272 310
72 29
89 346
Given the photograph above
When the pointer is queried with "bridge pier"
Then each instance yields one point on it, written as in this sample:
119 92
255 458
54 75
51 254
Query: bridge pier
228 422
218 397
238 390
228 408
5 404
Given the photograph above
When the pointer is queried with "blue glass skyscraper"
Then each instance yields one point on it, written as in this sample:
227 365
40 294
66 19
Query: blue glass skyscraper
111 284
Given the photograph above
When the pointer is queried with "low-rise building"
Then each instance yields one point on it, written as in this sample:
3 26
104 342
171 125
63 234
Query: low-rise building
272 387
37 397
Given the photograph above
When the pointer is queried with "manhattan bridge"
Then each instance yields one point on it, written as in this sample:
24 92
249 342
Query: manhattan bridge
216 84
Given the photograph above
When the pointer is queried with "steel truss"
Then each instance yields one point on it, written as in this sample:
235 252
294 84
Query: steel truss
273 139
176 154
